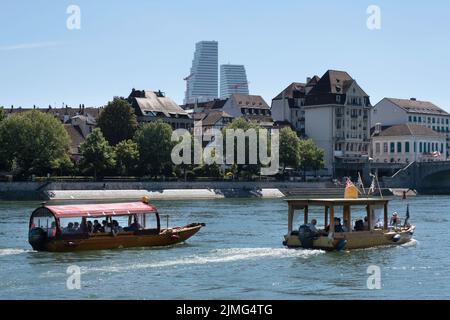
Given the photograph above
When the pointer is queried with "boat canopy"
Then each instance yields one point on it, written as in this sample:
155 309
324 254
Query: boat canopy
99 210
336 202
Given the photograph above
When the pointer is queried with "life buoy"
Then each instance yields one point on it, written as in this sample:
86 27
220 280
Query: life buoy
396 238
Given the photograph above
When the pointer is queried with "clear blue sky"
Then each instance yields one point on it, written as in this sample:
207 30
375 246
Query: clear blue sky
150 45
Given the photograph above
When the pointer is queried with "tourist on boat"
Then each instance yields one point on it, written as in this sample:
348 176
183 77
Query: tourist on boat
76 227
69 228
106 228
344 227
366 223
135 226
90 227
116 227
337 225
312 226
97 226
395 220
51 232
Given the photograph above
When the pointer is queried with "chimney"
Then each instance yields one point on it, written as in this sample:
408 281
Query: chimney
308 79
377 128
413 99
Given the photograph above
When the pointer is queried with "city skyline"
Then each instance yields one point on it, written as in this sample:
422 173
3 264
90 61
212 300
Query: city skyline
44 63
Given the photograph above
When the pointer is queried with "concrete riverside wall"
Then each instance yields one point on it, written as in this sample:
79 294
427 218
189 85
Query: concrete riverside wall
156 190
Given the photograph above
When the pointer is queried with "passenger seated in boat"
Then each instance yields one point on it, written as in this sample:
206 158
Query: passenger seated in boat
359 225
344 227
116 227
97 226
76 227
69 228
90 227
51 232
366 224
106 228
312 226
135 226
338 226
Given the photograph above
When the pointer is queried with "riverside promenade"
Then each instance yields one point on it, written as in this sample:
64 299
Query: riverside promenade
67 191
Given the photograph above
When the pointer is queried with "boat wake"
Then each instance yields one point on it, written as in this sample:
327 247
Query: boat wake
216 256
9 251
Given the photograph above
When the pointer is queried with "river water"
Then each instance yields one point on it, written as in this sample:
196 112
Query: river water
238 255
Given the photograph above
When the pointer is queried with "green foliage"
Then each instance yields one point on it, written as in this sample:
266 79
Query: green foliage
289 148
118 121
97 154
311 157
35 142
2 114
127 156
155 146
241 123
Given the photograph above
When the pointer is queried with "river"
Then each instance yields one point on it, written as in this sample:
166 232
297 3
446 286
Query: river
238 255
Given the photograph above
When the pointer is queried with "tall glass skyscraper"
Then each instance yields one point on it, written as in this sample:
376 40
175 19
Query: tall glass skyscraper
203 83
233 79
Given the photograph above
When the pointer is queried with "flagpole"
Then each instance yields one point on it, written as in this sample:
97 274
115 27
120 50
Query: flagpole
362 183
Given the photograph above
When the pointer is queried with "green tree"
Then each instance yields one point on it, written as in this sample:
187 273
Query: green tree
289 148
2 114
35 142
118 121
311 157
155 146
247 169
127 156
97 154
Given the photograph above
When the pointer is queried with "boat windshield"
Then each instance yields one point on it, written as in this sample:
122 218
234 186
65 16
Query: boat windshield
43 219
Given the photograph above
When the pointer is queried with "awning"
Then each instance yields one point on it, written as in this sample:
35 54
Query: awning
99 210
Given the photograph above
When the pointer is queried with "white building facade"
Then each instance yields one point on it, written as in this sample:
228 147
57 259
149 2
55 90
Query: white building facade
337 119
202 83
407 143
391 111
233 79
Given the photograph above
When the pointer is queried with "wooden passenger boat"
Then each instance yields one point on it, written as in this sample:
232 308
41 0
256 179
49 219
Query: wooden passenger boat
346 238
142 220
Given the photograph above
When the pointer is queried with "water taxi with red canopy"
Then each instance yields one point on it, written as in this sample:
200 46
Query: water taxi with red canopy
371 227
102 226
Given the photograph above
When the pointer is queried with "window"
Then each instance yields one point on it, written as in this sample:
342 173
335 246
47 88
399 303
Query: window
434 120
410 119
407 147
377 148
415 119
415 146
392 147
446 121
420 147
338 99
442 148
399 147
385 147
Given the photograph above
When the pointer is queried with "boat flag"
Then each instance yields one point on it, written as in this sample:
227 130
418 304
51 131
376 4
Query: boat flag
372 186
360 183
407 215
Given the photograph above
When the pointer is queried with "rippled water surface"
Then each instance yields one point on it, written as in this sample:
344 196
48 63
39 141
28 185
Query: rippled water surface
238 255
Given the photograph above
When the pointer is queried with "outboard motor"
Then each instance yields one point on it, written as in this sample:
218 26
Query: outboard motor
306 237
37 237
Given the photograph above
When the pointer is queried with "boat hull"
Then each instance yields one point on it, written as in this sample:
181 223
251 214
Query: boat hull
166 237
355 240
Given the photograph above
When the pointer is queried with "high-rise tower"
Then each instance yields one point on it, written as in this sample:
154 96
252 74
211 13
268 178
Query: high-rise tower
233 79
202 84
